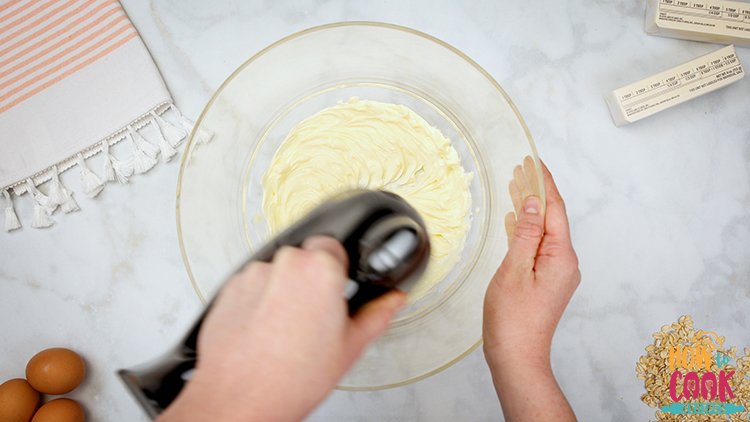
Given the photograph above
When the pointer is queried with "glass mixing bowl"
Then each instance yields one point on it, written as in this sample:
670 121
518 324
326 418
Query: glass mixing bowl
219 196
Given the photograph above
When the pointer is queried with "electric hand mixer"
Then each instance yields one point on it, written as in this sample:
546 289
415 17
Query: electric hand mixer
388 247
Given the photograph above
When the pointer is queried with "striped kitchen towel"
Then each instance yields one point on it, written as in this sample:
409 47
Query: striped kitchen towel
75 79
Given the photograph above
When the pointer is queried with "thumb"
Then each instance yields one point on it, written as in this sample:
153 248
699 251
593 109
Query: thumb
371 320
527 236
329 245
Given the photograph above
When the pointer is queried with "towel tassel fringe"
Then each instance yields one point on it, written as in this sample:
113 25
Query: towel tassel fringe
109 169
150 149
172 133
203 136
167 150
141 161
59 195
91 183
41 207
184 121
115 169
11 219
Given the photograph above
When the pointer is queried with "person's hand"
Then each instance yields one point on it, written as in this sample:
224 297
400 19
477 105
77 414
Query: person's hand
527 297
279 338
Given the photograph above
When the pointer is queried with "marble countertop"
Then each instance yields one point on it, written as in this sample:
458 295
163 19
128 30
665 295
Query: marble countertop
659 209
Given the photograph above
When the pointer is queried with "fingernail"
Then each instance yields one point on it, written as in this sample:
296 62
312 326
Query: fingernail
532 205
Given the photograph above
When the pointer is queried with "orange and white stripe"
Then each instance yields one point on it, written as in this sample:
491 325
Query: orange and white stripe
44 41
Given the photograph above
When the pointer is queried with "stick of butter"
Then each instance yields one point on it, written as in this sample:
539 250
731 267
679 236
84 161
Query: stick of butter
714 21
675 86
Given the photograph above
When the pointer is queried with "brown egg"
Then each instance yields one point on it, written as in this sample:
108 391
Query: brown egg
18 401
59 410
55 371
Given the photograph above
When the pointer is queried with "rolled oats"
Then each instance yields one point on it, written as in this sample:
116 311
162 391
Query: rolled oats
653 369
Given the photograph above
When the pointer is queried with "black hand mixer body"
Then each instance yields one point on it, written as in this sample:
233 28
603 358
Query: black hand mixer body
388 247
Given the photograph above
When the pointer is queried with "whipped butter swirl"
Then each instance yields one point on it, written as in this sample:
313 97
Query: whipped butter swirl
377 146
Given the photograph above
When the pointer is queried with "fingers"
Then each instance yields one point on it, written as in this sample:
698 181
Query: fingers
248 285
320 259
371 320
329 245
519 175
557 227
529 169
519 187
510 226
243 291
524 184
515 196
528 235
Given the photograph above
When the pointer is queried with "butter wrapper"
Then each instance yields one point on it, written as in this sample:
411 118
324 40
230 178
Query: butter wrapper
714 21
675 86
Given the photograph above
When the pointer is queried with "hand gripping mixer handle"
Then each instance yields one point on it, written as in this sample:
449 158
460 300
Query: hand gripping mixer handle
388 247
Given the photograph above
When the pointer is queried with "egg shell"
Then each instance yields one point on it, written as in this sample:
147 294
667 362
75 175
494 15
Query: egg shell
18 401
55 371
59 410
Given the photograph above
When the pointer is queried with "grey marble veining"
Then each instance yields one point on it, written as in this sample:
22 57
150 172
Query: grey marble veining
659 209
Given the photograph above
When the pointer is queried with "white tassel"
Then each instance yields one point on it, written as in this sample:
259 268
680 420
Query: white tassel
40 197
114 169
11 219
141 162
204 136
61 196
109 170
173 134
70 204
184 121
56 195
123 169
56 190
167 151
41 216
44 200
150 149
90 182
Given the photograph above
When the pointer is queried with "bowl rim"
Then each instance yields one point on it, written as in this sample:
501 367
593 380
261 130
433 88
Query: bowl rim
220 89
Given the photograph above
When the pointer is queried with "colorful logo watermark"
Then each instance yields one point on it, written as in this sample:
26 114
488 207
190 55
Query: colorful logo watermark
708 386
